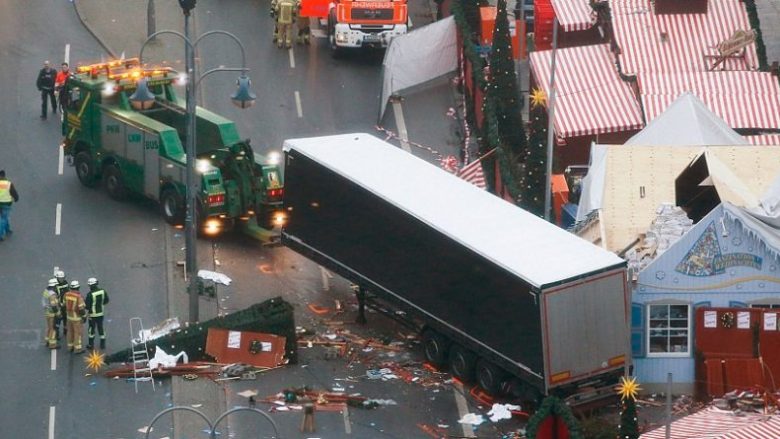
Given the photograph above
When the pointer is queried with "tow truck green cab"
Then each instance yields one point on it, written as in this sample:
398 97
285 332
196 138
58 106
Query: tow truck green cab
139 151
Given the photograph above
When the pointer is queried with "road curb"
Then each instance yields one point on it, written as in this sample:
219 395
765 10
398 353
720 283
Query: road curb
91 31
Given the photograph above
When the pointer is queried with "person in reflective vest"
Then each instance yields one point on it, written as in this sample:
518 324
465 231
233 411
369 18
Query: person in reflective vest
97 299
8 196
285 12
51 311
61 288
75 309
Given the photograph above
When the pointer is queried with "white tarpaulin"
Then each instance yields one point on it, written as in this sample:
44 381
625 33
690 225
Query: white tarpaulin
420 56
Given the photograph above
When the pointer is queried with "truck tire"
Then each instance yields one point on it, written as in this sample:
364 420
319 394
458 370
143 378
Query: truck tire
462 363
335 51
85 169
115 185
489 377
172 207
436 347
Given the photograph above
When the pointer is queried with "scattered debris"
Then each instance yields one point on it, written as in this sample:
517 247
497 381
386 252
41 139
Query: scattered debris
502 411
472 419
162 359
213 276
165 327
253 348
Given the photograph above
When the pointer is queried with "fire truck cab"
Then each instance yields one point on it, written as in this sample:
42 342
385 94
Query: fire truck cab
365 23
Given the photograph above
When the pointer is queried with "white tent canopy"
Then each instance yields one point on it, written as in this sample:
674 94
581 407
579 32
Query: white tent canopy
420 56
687 121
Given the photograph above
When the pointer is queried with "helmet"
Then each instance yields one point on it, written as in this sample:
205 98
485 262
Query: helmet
52 282
92 281
75 285
59 274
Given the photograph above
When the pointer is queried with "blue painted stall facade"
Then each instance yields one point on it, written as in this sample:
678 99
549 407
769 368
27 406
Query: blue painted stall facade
719 262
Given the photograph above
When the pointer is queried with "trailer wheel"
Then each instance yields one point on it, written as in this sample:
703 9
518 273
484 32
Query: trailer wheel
115 186
462 363
85 169
435 346
489 377
172 207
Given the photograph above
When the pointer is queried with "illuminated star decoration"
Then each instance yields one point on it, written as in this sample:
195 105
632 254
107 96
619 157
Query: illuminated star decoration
95 360
538 97
628 388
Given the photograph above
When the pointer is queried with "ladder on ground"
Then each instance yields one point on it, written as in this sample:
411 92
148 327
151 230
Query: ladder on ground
140 354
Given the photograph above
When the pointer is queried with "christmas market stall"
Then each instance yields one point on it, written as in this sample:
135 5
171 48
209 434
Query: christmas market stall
592 103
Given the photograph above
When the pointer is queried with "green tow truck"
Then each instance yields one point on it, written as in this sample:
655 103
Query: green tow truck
139 151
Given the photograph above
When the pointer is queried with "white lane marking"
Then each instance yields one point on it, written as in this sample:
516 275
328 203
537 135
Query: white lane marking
51 422
298 107
54 359
325 278
463 409
399 121
61 164
66 58
292 57
347 424
58 219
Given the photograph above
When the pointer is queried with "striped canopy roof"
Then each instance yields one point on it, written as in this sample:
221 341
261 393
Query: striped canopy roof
591 98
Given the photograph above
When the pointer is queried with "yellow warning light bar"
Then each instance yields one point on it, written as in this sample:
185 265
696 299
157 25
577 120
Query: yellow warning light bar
138 73
106 67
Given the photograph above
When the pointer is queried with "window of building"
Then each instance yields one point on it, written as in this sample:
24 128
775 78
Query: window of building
766 304
669 332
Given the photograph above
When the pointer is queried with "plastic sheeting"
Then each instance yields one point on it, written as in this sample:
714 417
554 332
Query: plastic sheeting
418 57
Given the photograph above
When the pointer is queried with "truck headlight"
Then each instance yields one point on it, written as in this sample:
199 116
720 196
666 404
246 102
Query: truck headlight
212 227
279 218
341 38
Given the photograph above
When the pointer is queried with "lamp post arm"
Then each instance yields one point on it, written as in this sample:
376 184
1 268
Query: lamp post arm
151 37
220 69
235 38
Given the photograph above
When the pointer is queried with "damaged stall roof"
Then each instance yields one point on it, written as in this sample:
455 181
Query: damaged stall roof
531 248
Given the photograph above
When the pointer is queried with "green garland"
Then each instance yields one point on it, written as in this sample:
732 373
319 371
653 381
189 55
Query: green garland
553 406
755 24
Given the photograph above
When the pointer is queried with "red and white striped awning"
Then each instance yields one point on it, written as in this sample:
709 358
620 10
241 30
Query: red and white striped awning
747 100
764 139
712 423
590 96
574 15
652 42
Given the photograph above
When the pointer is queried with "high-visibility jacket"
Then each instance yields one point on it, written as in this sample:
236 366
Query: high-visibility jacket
5 191
74 305
50 303
285 11
95 302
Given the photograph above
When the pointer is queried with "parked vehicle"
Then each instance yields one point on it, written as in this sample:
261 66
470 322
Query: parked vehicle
500 296
139 151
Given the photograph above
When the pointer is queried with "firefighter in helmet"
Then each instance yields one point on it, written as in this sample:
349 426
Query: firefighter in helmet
51 311
285 12
97 299
61 288
76 311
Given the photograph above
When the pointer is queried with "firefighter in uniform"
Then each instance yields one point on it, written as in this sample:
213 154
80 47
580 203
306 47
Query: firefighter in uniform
285 12
51 311
75 309
96 300
61 288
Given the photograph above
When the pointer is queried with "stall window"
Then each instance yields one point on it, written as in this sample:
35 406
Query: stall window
668 330
637 330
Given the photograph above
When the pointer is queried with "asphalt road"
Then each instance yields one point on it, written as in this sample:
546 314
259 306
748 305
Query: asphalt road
303 92
87 240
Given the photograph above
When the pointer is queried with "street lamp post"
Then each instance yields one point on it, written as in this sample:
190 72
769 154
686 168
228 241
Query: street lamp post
242 98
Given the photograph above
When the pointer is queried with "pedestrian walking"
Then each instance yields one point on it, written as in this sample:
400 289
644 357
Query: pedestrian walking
61 288
76 312
45 83
8 196
96 300
61 87
51 311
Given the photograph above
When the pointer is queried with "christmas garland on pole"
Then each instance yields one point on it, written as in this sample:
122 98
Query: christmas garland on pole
553 406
